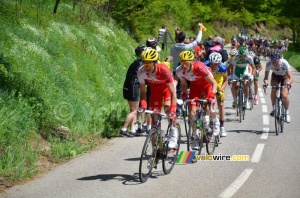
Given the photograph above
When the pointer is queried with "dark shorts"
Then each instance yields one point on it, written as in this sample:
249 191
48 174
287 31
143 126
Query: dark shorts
282 80
131 92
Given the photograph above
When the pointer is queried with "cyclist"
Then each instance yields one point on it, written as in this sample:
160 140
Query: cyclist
258 68
202 83
131 93
281 74
219 71
242 64
160 78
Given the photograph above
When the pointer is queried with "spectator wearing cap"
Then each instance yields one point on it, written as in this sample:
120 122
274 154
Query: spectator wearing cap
153 43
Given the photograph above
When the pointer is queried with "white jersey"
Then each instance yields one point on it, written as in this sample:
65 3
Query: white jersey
284 66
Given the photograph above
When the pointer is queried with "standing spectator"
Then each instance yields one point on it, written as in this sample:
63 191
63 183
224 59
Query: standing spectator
161 33
177 31
286 43
131 93
200 52
218 47
208 43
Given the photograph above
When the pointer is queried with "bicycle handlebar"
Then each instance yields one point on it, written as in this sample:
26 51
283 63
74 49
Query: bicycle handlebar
275 87
154 112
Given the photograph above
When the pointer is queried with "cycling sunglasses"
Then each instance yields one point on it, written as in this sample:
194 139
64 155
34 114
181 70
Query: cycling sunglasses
274 58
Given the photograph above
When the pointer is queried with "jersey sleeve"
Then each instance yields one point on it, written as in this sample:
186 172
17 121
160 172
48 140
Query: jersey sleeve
286 65
140 75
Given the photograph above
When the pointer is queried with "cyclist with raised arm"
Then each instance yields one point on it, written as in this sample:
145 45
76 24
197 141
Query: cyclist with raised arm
161 80
281 74
202 84
241 65
219 71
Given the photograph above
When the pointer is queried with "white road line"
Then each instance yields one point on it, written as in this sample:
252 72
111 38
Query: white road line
260 93
234 187
264 108
265 134
262 100
257 153
265 119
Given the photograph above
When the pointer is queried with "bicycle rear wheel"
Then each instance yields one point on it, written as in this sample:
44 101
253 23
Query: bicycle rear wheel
169 160
148 156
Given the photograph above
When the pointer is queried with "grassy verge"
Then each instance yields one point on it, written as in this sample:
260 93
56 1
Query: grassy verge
61 85
293 57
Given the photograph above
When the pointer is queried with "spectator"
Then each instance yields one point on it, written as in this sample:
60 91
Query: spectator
161 33
177 31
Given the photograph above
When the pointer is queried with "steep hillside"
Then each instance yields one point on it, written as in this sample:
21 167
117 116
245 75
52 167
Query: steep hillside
61 85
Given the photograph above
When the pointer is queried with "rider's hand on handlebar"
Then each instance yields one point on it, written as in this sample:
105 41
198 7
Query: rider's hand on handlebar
288 85
265 86
141 110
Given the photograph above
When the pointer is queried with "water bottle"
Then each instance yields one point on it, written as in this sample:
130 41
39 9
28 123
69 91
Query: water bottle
198 124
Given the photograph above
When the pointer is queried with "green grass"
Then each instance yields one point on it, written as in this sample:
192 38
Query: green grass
293 57
55 72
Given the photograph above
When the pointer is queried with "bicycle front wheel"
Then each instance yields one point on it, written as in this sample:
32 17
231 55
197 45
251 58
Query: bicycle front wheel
282 118
210 139
148 156
169 160
277 115
195 143
240 104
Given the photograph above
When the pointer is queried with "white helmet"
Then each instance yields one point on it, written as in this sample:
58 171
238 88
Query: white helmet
215 57
251 53
233 52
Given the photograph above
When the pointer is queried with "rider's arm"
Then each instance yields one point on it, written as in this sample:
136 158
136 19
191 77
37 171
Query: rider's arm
259 67
213 82
229 70
143 92
225 82
290 75
266 77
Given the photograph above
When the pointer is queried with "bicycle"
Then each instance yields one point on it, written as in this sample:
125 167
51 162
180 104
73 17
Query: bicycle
197 126
279 113
240 106
156 148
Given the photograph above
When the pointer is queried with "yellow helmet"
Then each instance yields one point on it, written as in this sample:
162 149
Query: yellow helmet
150 55
186 56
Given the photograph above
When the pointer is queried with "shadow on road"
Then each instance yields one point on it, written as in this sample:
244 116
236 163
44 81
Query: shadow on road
125 179
246 131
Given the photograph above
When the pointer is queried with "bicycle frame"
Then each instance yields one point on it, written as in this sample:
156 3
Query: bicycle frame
156 148
279 113
197 123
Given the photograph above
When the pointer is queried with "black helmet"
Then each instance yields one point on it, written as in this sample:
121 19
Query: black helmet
139 50
152 42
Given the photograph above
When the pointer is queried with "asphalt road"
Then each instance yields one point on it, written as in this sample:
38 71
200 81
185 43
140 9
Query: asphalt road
112 171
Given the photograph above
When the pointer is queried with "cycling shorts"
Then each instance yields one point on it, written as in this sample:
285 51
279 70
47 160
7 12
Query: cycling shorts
282 80
159 94
131 92
199 90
